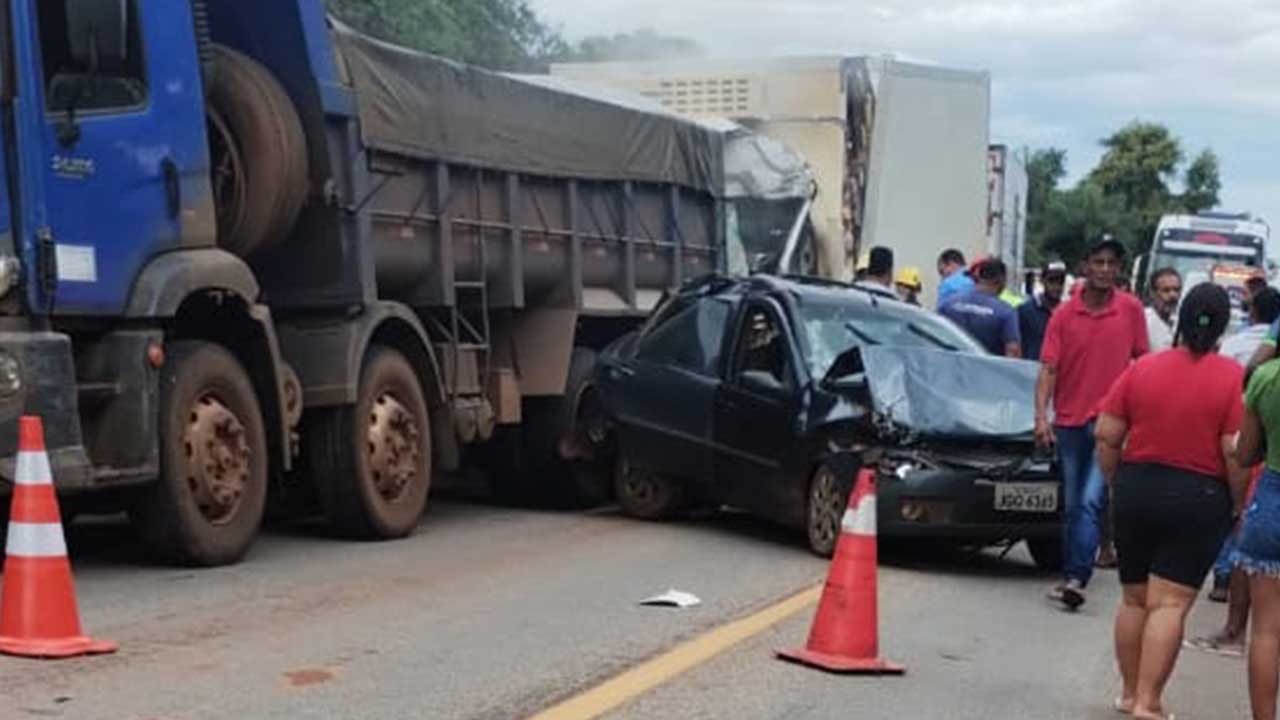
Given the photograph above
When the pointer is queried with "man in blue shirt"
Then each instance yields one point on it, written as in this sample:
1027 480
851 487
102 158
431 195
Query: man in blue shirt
981 312
955 278
1033 315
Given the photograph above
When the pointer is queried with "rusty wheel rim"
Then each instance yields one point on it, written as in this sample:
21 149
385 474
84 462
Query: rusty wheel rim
641 487
218 459
392 447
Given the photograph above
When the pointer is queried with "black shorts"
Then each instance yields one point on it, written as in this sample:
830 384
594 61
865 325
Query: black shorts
1169 522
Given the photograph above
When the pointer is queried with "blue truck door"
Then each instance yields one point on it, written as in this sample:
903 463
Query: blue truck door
125 156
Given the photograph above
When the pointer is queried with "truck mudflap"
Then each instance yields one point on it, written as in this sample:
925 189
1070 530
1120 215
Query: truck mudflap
45 387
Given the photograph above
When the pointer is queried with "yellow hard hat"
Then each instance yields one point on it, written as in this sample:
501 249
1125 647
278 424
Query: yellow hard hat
910 277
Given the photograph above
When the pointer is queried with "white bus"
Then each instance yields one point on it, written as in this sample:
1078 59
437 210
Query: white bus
1217 247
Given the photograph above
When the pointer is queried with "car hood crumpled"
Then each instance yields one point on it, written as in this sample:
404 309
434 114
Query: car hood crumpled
950 394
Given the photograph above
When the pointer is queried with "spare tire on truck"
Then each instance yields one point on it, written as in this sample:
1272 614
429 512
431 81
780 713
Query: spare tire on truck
258 154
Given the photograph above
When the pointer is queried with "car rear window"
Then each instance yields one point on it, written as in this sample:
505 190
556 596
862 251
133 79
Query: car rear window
689 336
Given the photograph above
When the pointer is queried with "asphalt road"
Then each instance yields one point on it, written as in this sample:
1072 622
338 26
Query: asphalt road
491 612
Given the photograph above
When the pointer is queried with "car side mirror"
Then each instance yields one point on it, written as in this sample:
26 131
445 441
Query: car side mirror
758 381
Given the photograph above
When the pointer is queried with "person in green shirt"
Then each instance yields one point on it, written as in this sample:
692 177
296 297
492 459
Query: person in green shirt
1258 545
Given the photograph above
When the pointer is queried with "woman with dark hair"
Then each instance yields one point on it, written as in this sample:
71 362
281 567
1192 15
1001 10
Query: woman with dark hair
1166 445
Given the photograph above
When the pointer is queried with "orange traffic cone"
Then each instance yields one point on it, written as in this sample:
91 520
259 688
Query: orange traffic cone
38 614
844 637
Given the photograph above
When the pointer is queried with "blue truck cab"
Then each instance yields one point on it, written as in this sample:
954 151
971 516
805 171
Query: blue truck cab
249 257
131 325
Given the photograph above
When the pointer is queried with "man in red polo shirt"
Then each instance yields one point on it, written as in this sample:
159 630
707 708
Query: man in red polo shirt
1089 343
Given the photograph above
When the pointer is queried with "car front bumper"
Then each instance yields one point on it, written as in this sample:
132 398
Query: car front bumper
958 504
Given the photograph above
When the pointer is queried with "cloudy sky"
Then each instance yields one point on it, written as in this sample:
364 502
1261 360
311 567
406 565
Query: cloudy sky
1065 73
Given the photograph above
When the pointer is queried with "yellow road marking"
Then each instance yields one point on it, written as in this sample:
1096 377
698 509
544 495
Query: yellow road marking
644 677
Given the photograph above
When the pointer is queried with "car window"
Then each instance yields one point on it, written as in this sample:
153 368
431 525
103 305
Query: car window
689 336
762 345
831 327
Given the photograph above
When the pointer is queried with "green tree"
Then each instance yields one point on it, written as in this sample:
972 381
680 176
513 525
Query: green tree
1140 162
501 34
1073 218
1202 183
1045 169
1125 195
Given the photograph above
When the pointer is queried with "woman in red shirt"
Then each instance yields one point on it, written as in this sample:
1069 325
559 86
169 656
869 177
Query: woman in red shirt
1166 443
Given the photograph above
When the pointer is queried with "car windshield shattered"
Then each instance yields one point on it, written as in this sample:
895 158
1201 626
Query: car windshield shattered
832 327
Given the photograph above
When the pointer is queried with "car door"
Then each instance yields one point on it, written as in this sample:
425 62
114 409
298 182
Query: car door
123 144
756 409
661 396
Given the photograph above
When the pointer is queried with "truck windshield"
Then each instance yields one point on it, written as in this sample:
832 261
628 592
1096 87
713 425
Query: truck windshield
1193 252
830 328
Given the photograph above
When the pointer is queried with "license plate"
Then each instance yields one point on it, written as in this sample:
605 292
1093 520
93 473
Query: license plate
1026 497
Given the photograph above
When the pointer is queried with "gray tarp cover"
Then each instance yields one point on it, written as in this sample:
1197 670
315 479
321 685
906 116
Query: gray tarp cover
755 165
423 106
952 394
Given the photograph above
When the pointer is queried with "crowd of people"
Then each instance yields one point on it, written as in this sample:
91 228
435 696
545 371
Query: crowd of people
1167 433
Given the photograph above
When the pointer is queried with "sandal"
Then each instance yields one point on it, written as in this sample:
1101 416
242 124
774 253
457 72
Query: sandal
1215 645
1121 707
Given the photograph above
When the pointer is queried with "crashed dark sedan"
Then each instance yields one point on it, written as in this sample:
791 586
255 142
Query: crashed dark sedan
756 393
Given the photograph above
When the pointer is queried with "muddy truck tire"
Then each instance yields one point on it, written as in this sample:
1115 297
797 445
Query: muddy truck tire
371 462
258 151
207 506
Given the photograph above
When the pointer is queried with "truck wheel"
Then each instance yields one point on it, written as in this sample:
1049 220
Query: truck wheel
208 503
643 494
371 462
550 421
259 154
1046 553
824 511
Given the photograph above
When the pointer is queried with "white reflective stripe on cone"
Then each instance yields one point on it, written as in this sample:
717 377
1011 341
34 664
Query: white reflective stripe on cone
33 469
36 540
862 519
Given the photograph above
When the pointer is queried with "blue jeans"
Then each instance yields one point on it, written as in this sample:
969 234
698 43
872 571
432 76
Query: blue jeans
1222 567
1084 501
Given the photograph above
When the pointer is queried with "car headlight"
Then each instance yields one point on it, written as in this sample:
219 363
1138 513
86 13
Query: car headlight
10 375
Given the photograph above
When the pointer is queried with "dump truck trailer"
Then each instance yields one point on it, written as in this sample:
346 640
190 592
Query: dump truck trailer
252 260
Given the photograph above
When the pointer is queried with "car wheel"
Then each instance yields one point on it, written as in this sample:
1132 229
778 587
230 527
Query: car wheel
1046 553
643 494
826 506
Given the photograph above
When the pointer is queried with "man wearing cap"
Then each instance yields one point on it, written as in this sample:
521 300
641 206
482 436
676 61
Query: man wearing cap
1090 341
1033 315
990 320
1166 291
909 285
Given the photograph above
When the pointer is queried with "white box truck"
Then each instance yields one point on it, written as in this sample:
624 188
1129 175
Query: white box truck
898 150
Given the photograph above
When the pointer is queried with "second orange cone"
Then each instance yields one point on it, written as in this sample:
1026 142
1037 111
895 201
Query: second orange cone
845 633
38 612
